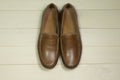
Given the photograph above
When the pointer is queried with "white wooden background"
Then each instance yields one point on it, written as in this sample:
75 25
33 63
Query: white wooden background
99 21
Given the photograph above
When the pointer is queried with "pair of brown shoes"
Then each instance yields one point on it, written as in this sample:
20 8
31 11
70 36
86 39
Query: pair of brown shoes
64 38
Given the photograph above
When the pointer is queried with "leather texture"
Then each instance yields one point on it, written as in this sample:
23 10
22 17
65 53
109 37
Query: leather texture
70 41
48 43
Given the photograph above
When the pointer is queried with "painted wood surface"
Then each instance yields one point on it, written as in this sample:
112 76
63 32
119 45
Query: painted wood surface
99 22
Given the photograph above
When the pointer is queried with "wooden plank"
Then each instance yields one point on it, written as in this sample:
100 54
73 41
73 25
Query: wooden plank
84 72
41 4
90 37
18 55
100 37
97 19
20 19
29 55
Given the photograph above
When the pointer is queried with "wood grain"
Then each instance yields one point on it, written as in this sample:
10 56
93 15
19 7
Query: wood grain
84 72
41 4
90 37
29 55
99 22
88 19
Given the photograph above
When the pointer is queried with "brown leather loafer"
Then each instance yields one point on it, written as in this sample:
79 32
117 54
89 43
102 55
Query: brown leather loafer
48 43
71 46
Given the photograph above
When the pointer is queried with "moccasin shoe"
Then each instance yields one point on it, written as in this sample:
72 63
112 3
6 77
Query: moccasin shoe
70 41
48 43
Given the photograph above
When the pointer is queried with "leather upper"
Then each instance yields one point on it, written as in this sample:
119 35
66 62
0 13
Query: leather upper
48 43
71 46
69 37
